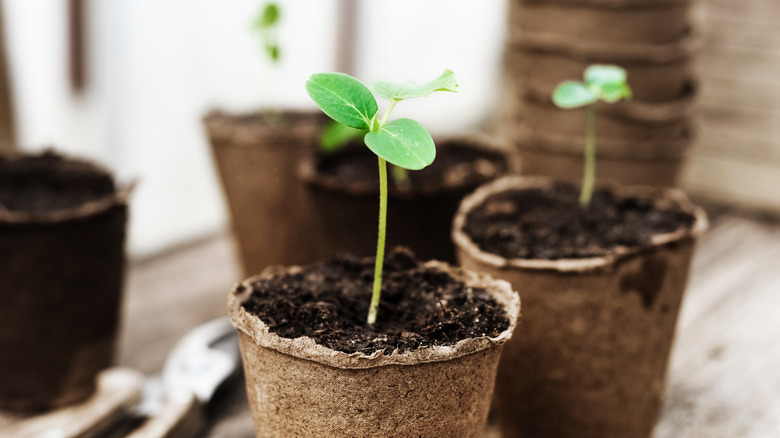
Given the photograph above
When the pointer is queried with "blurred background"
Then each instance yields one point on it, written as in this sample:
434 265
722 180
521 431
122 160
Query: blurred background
128 82
151 70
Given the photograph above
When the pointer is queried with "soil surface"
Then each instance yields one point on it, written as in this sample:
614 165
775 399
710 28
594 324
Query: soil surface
457 164
550 224
420 306
48 182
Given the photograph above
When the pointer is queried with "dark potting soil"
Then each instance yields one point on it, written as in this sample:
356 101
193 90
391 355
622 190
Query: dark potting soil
550 224
49 182
457 165
328 301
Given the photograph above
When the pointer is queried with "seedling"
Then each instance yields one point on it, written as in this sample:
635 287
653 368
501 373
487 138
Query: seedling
602 82
265 25
402 142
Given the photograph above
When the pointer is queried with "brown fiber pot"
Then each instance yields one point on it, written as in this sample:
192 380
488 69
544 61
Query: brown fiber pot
419 218
655 163
656 72
61 277
597 332
648 24
297 388
631 120
257 155
604 3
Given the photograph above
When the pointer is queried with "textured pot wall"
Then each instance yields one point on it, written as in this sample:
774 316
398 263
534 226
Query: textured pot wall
272 217
306 398
60 287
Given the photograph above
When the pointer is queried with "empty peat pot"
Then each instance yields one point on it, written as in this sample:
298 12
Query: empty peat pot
257 155
393 381
650 23
598 315
345 190
656 72
62 233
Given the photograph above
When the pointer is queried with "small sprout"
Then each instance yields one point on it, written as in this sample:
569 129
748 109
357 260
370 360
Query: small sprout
402 142
335 136
602 82
265 24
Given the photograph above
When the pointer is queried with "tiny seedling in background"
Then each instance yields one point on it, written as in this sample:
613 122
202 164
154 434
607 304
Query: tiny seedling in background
265 24
402 142
602 82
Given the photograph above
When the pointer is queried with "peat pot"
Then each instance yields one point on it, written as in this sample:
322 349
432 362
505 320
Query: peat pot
656 72
345 191
648 24
300 388
597 331
256 155
646 162
62 233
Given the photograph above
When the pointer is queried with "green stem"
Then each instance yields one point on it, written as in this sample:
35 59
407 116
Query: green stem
380 244
589 166
387 113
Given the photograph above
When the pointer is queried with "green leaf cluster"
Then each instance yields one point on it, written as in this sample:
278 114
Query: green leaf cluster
402 142
601 82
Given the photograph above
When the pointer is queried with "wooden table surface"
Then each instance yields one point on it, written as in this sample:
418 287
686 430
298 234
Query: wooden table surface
724 379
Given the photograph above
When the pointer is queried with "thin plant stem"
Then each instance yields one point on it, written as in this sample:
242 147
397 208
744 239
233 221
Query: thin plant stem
589 166
380 244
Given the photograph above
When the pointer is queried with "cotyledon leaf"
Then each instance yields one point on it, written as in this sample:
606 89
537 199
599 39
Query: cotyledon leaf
403 142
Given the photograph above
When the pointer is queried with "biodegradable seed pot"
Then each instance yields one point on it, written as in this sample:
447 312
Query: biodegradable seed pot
344 190
62 233
649 24
658 72
602 288
256 155
315 368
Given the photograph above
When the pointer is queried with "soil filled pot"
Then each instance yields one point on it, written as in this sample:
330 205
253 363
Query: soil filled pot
62 233
345 190
647 24
256 155
602 288
645 162
656 72
426 368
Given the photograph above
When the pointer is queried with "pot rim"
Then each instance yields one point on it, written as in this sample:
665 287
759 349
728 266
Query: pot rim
637 111
119 197
306 348
680 49
610 3
481 142
223 127
579 265
621 148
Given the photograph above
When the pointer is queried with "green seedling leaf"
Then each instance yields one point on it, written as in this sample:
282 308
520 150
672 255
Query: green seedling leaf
273 52
343 98
406 90
604 75
614 92
269 17
335 135
403 142
572 94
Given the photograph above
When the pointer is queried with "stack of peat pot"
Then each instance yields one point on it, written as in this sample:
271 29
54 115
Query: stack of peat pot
641 141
